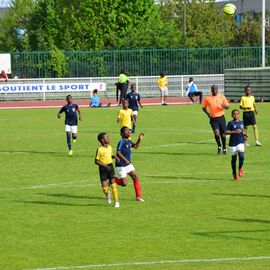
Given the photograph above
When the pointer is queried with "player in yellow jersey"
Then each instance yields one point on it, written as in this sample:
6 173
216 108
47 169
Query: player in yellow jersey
125 116
247 104
163 87
103 159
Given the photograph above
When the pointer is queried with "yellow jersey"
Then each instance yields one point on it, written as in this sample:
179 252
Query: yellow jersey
104 154
125 117
162 82
247 103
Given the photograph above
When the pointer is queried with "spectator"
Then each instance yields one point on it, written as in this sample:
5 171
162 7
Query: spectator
163 87
95 101
3 76
192 90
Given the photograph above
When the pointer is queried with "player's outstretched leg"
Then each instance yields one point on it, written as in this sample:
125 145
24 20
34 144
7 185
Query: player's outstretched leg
233 163
137 186
241 163
70 152
74 137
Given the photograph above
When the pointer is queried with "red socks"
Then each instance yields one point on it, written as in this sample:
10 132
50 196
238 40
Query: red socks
137 187
118 181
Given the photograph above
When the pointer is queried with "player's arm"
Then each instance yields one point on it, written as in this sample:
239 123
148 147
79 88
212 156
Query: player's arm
137 144
59 113
117 159
80 114
119 154
206 112
225 104
255 108
118 117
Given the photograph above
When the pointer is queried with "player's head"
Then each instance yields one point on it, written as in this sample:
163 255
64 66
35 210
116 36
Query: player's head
248 90
214 90
162 74
235 114
125 104
103 138
95 92
125 132
133 87
123 71
69 98
190 80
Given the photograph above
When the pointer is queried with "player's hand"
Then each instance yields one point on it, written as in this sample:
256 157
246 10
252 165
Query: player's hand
141 136
127 162
108 168
117 159
59 116
80 118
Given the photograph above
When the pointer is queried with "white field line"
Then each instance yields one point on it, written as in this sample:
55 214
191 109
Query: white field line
82 106
77 183
156 263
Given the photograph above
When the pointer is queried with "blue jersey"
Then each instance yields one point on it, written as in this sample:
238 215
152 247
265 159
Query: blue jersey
124 146
95 101
71 114
133 99
236 139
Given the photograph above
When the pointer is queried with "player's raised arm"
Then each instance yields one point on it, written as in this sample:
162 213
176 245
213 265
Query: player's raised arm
140 138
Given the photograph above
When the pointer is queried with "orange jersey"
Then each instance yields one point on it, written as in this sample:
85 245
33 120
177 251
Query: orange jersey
216 105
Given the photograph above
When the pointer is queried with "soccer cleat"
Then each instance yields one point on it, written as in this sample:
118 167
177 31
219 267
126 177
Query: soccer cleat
116 204
236 177
219 150
224 151
258 143
108 198
241 172
139 199
70 152
74 140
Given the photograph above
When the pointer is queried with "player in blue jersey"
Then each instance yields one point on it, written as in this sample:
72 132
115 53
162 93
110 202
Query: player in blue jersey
71 121
235 128
134 100
124 165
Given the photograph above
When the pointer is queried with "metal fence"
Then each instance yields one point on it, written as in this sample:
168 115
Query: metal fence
139 62
146 85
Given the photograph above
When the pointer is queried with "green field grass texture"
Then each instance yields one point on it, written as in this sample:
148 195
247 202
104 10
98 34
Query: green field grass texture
54 214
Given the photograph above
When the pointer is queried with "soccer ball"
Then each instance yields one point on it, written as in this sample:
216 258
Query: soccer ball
229 9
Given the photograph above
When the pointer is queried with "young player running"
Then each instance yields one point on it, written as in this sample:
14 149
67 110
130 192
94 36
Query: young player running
103 159
71 121
247 104
125 115
134 100
237 138
124 165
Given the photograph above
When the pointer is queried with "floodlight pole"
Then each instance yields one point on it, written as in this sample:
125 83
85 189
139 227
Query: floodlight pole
263 33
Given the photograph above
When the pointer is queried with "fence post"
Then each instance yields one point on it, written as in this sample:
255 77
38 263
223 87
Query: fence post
44 90
137 84
182 86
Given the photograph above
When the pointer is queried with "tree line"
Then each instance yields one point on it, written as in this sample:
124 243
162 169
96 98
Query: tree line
83 25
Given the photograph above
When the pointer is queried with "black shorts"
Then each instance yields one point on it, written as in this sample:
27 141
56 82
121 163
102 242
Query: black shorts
123 87
249 118
218 123
105 174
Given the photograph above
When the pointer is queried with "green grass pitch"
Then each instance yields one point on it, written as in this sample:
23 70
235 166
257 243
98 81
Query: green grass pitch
54 214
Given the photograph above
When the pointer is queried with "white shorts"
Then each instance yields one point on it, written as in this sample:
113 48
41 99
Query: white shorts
72 129
164 91
123 171
135 113
236 149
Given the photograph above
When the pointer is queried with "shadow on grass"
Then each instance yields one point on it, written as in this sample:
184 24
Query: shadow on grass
248 220
183 177
64 195
233 234
59 203
50 153
242 195
176 154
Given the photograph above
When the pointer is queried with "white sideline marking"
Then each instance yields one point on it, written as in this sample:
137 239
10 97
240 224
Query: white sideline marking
152 263
81 106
